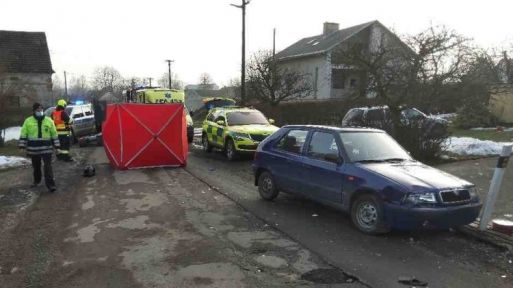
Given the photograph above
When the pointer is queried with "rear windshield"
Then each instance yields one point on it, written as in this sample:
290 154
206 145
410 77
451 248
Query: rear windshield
375 115
246 118
355 114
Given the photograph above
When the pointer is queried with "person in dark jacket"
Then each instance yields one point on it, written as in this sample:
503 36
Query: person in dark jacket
39 138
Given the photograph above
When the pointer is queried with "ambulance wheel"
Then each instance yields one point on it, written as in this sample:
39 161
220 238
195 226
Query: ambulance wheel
206 145
231 152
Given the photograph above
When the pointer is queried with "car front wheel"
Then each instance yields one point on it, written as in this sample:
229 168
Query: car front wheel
206 145
367 215
231 152
267 187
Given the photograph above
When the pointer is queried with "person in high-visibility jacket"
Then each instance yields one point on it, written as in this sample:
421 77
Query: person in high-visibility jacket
62 123
39 138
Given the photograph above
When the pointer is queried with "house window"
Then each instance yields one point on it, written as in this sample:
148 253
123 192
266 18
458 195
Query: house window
353 82
338 79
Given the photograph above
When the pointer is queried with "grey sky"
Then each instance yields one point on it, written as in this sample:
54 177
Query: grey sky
136 37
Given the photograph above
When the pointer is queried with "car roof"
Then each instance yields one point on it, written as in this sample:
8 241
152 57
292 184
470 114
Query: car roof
333 128
234 108
71 106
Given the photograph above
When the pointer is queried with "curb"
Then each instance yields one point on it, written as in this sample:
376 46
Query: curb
489 236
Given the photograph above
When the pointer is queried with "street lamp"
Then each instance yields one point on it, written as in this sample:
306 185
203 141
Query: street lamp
169 71
243 64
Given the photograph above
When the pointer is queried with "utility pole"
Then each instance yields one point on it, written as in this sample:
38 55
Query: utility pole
65 87
243 64
274 44
169 71
150 80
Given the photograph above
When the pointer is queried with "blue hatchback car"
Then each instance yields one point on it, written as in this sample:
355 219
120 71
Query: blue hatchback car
366 173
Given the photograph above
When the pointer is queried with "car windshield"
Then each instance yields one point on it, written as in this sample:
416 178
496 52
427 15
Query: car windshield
372 147
246 118
413 113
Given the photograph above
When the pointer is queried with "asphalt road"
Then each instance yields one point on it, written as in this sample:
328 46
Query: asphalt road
441 258
157 228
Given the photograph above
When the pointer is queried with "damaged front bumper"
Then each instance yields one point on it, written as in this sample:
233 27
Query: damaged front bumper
403 217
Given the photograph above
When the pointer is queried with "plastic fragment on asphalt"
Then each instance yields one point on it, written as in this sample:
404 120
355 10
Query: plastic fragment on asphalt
314 215
14 270
503 276
412 281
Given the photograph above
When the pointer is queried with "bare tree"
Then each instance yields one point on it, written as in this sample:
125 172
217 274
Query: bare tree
271 84
164 81
206 79
420 70
79 86
107 79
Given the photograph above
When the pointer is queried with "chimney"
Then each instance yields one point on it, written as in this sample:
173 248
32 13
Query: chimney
329 27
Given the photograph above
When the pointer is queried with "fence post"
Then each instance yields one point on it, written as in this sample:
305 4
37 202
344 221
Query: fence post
495 186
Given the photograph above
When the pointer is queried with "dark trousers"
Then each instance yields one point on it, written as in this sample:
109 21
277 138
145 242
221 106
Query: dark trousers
36 165
63 151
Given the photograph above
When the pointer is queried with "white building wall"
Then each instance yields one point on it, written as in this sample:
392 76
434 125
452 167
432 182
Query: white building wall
313 66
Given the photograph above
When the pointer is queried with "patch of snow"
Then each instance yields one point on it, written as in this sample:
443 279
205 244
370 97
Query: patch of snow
12 161
467 146
11 133
491 129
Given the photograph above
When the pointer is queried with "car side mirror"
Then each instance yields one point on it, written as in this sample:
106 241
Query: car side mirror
220 122
271 121
334 158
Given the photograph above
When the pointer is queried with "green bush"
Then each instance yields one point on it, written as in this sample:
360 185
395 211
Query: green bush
474 115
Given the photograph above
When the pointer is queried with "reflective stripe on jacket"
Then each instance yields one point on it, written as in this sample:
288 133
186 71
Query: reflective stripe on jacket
38 136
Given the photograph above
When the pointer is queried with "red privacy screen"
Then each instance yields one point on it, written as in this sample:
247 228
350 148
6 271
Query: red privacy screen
145 135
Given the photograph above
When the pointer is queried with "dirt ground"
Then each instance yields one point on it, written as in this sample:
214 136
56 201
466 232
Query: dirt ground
143 228
480 172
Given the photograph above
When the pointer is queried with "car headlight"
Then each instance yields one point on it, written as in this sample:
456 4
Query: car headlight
417 198
473 192
240 136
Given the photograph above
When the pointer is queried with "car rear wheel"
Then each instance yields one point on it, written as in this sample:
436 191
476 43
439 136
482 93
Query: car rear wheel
267 187
206 145
231 152
367 215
